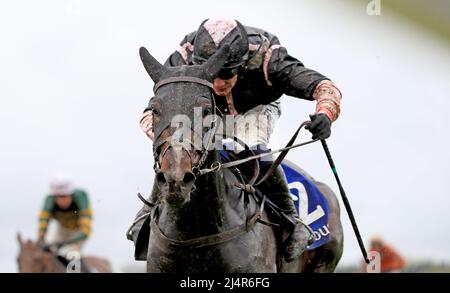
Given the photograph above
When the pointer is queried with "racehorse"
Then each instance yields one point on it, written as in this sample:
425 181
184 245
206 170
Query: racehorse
34 259
204 218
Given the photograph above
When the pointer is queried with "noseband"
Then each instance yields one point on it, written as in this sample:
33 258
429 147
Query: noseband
186 143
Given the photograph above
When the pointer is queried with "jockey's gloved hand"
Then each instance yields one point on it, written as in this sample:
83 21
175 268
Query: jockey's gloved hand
320 126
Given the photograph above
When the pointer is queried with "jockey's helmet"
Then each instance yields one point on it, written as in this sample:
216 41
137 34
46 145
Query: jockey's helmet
61 185
376 239
215 32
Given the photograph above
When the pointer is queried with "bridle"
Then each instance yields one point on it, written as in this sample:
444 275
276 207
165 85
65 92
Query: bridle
186 143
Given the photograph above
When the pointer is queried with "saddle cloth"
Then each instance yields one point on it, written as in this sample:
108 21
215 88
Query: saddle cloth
311 205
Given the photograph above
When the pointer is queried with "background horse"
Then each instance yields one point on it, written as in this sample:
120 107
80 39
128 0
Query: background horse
34 259
202 220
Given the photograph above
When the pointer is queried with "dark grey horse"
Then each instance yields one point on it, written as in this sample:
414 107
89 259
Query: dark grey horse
204 222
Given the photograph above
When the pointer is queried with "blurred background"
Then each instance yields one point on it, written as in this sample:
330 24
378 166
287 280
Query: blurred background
73 88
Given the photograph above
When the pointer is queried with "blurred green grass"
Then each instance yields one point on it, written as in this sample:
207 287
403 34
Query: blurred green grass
433 14
413 266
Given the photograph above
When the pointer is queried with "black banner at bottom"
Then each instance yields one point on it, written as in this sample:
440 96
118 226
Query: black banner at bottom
224 282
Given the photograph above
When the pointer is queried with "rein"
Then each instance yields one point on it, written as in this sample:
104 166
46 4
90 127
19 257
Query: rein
216 166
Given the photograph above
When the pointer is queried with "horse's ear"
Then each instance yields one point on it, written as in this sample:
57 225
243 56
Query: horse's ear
153 67
19 239
216 61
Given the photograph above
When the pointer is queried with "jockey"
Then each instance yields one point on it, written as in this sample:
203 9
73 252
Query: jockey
390 260
257 73
71 209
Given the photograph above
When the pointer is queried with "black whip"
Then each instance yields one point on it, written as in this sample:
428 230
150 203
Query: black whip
345 200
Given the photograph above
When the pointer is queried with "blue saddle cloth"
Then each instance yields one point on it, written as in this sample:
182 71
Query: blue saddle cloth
312 207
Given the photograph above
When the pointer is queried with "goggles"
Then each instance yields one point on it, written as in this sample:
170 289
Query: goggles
226 72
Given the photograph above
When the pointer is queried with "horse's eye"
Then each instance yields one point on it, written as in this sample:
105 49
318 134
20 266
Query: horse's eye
206 111
155 112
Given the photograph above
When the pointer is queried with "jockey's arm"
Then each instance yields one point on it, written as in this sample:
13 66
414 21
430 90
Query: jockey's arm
77 237
85 216
44 217
292 78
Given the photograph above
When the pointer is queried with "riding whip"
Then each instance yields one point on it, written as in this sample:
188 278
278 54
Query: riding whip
345 200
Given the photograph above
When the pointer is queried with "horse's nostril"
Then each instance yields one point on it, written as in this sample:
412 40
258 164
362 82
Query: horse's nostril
188 178
161 178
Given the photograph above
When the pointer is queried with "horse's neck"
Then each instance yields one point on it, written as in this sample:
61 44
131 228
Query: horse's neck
49 263
54 265
205 213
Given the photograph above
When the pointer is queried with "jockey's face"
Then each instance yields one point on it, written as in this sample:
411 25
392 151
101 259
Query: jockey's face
376 245
63 201
223 87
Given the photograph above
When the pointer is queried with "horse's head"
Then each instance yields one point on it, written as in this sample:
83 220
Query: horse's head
32 258
183 98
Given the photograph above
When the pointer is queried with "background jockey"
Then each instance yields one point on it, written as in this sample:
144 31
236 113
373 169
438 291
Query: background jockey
71 209
390 260
257 73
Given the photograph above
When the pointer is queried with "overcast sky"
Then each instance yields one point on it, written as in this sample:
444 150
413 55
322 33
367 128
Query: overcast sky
72 88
